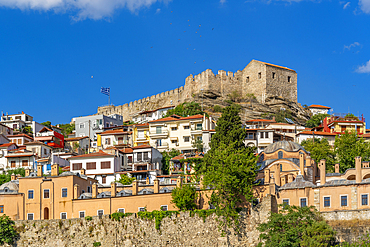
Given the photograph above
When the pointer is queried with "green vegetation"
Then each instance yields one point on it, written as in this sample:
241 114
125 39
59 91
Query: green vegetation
88 218
316 120
8 234
157 215
126 180
235 96
4 178
186 109
296 226
198 145
96 244
217 108
320 149
185 197
166 157
229 168
362 242
118 215
347 147
67 129
351 115
250 97
202 213
47 124
27 130
279 116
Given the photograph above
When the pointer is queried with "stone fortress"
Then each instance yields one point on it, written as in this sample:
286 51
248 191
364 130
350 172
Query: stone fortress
261 79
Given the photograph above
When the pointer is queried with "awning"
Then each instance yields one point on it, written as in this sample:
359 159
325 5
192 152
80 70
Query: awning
173 138
44 138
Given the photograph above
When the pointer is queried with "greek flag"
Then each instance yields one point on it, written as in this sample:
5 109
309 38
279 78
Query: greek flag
105 90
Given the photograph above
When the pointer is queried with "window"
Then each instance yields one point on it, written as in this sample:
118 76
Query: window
266 134
47 194
141 209
273 75
90 165
104 179
45 151
186 138
247 79
343 201
1 208
100 212
82 214
174 141
326 201
139 156
30 194
29 216
146 156
121 210
107 141
64 192
174 128
289 78
303 202
281 167
199 126
129 159
164 207
19 141
105 165
24 162
285 202
12 164
140 134
158 130
259 75
250 136
186 127
88 189
82 125
280 154
63 216
76 166
364 200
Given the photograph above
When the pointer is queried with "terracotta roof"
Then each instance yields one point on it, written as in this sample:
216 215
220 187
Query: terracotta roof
142 125
177 119
260 120
115 132
344 121
319 106
282 124
44 138
126 150
319 133
142 146
92 155
36 143
20 155
20 135
364 135
75 138
7 145
270 64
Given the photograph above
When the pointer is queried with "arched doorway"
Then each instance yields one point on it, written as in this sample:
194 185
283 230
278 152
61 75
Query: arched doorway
46 213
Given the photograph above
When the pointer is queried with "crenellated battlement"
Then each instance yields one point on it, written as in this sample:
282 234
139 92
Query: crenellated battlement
258 78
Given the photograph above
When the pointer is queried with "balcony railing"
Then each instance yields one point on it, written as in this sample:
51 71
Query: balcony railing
162 133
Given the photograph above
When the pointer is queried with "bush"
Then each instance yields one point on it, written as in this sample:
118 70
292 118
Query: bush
8 234
118 215
96 244
88 218
184 198
217 108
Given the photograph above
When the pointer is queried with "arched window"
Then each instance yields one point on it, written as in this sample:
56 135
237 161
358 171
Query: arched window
6 189
280 155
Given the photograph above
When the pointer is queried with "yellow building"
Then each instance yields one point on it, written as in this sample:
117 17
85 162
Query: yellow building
141 135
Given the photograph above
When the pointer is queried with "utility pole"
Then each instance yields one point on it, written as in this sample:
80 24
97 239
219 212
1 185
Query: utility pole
88 151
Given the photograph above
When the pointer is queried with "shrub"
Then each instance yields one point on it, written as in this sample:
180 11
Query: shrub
184 197
88 218
217 108
96 244
7 230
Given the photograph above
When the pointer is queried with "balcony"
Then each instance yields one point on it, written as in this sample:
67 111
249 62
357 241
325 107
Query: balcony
163 145
196 130
158 134
142 138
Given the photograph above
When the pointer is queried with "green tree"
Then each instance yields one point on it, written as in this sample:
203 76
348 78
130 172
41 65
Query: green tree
27 130
348 146
198 145
4 178
8 234
185 197
47 124
126 180
186 109
217 108
281 115
316 120
295 227
229 167
166 157
67 129
320 149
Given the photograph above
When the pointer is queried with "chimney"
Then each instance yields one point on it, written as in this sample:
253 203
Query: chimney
322 167
55 170
83 171
301 164
358 169
267 176
94 190
113 189
27 172
39 170
147 180
325 123
134 188
179 182
336 168
156 186
13 177
277 174
76 191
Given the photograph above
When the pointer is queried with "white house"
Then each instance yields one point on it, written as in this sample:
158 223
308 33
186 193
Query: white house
146 116
304 135
4 149
316 109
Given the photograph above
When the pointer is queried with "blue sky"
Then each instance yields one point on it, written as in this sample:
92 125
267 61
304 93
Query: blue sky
56 54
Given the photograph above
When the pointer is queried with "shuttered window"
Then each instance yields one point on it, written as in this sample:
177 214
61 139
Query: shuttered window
77 166
105 165
24 162
90 165
12 164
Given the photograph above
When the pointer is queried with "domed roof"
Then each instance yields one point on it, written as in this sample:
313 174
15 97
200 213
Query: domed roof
285 145
9 186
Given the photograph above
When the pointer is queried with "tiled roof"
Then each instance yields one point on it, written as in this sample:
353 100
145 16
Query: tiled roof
35 143
319 106
260 120
270 64
22 154
344 121
126 150
75 138
142 125
177 119
142 146
92 155
298 183
7 144
115 132
20 135
319 133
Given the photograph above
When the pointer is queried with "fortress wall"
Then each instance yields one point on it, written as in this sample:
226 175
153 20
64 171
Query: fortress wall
255 85
279 86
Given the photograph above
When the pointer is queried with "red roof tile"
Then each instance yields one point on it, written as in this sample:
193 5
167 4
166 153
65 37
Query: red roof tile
278 66
20 135
75 138
319 133
260 120
20 155
177 119
115 132
319 106
92 155
7 144
142 146
126 150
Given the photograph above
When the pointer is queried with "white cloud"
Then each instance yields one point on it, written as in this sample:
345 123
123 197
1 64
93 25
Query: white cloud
83 9
158 11
365 6
364 68
346 5
348 47
222 1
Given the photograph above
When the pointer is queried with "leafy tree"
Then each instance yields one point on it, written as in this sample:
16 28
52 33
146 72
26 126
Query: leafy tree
185 197
67 129
348 146
4 178
217 108
235 96
8 234
126 179
316 120
320 149
47 124
198 144
229 167
166 157
281 115
296 226
27 130
185 109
